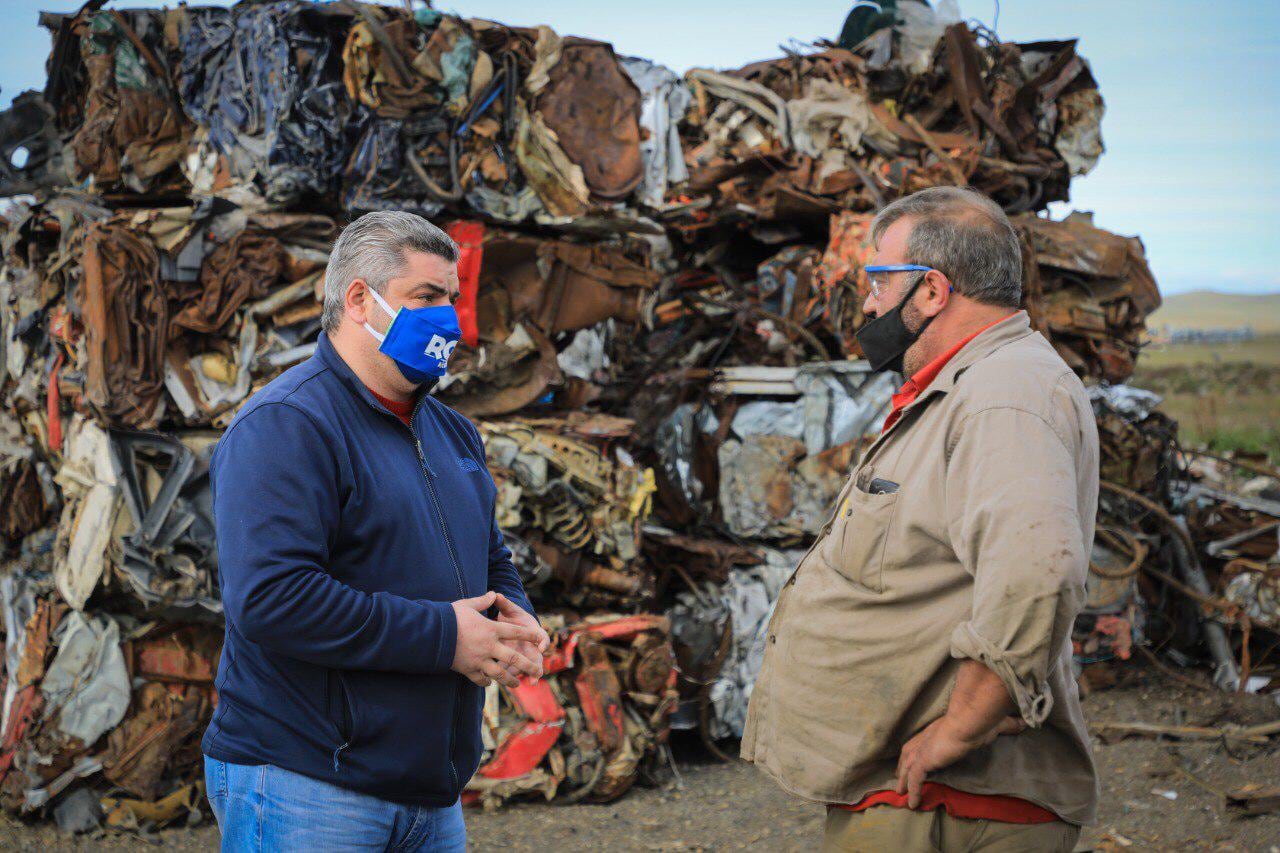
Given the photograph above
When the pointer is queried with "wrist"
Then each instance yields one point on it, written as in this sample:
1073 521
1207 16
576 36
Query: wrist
961 730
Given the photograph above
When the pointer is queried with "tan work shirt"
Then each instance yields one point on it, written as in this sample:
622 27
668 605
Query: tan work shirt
981 553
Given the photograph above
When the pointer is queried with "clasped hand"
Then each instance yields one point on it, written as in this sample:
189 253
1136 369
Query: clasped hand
499 650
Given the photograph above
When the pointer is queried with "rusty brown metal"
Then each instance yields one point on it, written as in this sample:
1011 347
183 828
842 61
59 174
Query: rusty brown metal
594 109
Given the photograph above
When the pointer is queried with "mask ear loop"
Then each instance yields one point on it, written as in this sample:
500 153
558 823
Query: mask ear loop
382 303
912 292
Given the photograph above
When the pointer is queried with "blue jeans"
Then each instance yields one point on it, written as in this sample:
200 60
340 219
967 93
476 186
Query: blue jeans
263 807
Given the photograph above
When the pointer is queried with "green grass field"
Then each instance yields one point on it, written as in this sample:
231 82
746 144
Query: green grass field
1205 309
1224 397
1261 351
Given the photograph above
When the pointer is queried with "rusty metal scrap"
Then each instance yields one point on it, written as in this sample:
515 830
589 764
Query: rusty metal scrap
1089 292
599 717
143 749
1138 442
1255 588
579 506
126 322
837 129
1186 549
113 90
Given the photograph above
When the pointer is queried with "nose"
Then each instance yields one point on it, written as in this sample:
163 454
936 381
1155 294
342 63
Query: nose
868 305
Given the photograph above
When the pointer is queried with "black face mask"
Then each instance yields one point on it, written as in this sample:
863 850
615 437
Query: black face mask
886 339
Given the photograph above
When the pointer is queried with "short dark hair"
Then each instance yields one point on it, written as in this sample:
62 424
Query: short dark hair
966 236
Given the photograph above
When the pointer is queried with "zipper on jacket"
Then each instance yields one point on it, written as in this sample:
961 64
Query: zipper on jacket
428 474
348 717
457 567
448 540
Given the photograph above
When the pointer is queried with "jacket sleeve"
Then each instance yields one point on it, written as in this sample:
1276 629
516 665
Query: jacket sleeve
1012 512
277 498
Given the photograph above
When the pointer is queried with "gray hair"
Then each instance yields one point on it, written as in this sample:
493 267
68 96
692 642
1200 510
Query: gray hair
372 247
966 236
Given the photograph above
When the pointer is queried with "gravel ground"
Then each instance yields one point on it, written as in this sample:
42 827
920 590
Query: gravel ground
734 807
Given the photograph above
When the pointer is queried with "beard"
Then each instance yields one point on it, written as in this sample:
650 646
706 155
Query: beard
914 358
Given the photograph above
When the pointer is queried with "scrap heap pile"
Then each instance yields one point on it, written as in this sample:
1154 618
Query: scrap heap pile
660 281
1187 557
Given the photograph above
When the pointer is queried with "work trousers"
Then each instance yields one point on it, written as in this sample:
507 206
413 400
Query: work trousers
881 828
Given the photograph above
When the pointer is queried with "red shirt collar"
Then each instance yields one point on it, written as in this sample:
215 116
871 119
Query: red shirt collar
402 409
920 380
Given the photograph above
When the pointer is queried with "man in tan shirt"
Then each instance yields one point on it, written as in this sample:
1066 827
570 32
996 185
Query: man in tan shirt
917 675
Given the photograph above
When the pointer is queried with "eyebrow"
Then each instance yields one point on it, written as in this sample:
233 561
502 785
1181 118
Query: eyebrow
434 290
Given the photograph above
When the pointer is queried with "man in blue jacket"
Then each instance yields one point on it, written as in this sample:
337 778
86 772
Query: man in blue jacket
360 563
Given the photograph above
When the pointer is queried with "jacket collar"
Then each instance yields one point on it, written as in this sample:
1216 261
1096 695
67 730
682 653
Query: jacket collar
330 358
1005 332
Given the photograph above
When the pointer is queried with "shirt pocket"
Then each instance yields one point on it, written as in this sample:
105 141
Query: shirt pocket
856 543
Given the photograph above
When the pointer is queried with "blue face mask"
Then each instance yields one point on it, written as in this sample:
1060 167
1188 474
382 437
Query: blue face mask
419 340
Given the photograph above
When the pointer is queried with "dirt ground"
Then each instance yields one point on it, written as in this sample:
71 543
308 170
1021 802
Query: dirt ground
1156 795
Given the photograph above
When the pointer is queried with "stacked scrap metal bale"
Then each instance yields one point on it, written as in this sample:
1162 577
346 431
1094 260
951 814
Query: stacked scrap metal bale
660 281
190 169
1187 555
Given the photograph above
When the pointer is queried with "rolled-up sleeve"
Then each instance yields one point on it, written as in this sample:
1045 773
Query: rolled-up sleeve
1014 519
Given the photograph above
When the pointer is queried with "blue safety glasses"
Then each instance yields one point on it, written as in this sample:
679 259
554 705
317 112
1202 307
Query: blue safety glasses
878 275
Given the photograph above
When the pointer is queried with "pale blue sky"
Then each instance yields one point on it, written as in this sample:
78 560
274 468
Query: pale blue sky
1192 125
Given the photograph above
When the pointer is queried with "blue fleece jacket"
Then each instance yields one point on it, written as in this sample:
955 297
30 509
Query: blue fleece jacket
343 538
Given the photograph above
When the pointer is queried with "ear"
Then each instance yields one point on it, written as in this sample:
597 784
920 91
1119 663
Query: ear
934 293
356 301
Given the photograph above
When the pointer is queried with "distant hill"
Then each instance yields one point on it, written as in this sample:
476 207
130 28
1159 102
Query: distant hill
1205 309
